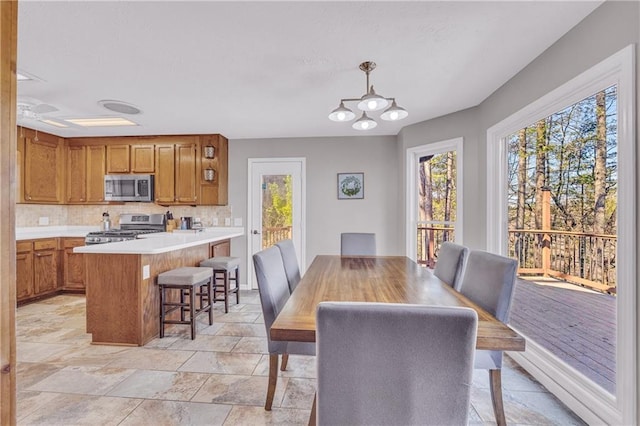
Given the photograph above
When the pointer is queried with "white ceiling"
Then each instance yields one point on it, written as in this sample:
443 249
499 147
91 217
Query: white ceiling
274 69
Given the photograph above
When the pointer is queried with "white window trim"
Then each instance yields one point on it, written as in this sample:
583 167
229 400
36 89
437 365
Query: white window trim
412 156
588 400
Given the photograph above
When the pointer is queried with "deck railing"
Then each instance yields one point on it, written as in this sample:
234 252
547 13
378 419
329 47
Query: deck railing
272 235
430 237
577 257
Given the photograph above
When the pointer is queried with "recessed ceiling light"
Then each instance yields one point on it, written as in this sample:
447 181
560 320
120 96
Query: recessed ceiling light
54 123
119 107
101 122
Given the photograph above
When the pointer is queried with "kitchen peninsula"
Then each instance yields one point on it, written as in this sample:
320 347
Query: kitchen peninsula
121 290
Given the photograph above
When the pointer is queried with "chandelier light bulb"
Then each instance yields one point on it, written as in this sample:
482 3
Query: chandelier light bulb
372 101
394 112
341 113
364 123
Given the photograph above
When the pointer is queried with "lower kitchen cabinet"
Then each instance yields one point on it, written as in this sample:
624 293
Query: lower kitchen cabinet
45 267
73 265
24 270
220 248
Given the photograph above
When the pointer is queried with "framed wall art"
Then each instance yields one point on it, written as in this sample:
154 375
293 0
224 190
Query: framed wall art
350 186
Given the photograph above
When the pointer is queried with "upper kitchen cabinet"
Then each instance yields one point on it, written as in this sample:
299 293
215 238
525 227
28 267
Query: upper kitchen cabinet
176 172
41 167
85 174
142 159
214 175
118 159
130 158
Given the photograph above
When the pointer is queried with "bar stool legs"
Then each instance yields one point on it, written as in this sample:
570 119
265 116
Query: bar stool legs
223 267
190 282
225 288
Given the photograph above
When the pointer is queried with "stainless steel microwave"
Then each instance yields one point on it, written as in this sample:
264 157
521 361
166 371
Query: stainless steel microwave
128 187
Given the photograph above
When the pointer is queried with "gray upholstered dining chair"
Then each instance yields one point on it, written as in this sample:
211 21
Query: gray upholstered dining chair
290 260
450 264
274 293
383 363
357 244
489 280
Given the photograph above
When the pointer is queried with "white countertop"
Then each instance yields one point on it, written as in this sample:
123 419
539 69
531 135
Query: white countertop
163 242
37 232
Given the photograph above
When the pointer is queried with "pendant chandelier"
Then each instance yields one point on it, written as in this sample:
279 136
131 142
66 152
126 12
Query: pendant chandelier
368 102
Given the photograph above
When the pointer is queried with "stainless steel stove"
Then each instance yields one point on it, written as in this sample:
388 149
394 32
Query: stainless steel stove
131 225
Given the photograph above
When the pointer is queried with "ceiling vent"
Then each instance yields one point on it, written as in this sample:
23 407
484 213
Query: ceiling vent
120 107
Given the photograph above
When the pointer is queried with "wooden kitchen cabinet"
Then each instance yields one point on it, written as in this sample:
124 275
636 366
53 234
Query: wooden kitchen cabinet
24 270
73 265
42 156
85 174
220 248
48 266
118 159
176 174
214 192
142 158
96 158
76 174
45 266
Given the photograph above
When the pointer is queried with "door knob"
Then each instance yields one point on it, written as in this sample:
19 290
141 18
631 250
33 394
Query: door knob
255 232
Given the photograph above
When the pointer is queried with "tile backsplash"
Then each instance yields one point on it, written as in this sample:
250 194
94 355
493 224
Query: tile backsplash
28 215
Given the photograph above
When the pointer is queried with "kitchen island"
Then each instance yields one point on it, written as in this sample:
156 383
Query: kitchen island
123 303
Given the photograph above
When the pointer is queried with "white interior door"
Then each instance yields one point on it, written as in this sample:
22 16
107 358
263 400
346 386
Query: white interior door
275 206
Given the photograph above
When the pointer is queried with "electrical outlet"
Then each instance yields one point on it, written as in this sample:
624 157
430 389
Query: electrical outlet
214 221
227 221
43 220
237 221
146 272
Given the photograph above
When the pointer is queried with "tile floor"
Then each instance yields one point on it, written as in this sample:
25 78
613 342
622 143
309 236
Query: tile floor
218 378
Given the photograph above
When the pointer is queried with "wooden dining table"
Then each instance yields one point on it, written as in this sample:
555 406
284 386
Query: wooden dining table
385 279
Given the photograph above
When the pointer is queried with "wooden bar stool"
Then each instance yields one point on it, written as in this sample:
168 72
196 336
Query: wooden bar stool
191 282
222 268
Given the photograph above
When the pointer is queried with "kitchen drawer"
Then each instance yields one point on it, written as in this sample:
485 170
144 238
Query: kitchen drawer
48 244
24 246
72 242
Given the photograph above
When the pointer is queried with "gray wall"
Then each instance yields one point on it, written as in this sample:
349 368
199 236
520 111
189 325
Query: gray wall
327 216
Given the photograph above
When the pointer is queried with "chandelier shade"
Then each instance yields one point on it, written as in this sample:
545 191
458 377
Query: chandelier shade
342 113
370 101
364 123
394 113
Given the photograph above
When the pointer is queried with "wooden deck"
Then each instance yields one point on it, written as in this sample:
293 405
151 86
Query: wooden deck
575 324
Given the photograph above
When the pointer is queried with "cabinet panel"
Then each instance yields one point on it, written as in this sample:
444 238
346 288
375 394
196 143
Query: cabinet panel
142 158
186 182
45 271
73 265
24 270
214 192
221 248
165 174
95 173
118 159
42 168
76 174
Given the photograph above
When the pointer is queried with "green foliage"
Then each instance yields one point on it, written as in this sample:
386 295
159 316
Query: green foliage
277 201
